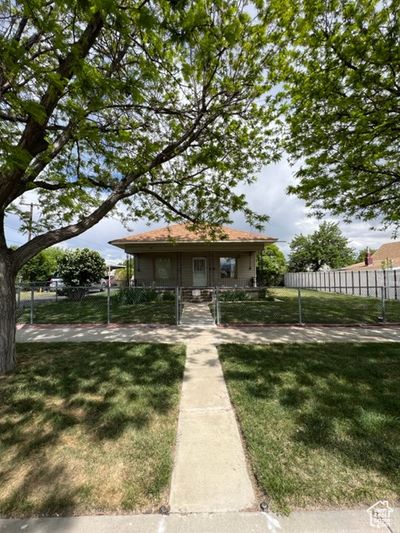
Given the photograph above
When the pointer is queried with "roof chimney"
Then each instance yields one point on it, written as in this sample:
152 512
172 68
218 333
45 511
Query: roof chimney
368 258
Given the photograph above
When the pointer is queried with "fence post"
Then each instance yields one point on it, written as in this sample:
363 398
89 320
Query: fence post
56 291
177 306
214 303
383 304
32 303
108 303
300 309
218 314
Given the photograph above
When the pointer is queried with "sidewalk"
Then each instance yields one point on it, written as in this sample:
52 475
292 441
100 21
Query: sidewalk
298 522
187 334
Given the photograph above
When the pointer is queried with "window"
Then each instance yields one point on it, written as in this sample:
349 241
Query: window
163 267
227 267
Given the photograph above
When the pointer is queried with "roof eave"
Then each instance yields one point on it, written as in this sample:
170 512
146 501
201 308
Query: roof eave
179 241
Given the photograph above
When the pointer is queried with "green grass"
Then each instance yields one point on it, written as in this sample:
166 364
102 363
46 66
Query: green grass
317 307
38 295
321 421
88 428
93 309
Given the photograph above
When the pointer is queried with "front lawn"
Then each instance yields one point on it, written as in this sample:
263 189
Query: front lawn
93 309
321 421
317 307
88 428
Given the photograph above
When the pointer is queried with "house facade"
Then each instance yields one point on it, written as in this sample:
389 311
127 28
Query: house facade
175 256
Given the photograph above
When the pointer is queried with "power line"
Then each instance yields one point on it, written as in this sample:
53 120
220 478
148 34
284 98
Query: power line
31 206
11 227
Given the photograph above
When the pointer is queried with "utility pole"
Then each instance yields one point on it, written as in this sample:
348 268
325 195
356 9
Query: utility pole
31 206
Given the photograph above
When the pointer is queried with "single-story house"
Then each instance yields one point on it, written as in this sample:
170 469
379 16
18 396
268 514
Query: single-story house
176 256
387 257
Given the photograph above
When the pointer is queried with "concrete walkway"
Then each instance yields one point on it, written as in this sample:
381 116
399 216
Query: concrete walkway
210 471
197 314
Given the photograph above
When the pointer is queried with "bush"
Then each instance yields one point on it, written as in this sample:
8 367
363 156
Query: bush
264 294
240 295
135 295
167 296
74 293
233 296
81 268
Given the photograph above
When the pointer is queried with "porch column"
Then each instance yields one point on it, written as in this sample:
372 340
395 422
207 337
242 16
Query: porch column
178 269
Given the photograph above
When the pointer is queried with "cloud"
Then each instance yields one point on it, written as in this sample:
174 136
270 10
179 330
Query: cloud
289 215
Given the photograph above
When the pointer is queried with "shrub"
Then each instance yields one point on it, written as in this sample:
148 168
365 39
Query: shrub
80 268
167 296
264 294
135 295
233 296
241 295
74 293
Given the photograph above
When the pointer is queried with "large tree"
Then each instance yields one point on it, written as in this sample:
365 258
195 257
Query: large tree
160 105
41 267
271 266
326 247
82 267
341 100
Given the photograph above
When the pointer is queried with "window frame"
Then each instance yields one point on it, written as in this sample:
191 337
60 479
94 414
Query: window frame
235 257
156 272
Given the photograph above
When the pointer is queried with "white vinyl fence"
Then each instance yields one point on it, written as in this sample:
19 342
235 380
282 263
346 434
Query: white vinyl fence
358 283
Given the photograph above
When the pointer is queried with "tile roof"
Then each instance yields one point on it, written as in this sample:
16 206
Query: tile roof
181 233
390 250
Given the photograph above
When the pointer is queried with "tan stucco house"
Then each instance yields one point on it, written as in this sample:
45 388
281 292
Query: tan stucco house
176 256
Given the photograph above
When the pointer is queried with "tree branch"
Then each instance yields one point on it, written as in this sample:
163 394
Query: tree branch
39 243
165 202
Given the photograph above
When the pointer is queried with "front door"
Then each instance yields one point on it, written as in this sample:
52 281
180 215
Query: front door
199 271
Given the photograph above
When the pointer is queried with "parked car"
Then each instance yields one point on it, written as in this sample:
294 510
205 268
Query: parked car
100 286
57 284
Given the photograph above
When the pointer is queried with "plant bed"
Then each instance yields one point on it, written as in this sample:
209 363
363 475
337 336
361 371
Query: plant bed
88 428
320 421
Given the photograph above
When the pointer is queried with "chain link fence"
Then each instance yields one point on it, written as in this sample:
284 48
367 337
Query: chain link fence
39 304
281 305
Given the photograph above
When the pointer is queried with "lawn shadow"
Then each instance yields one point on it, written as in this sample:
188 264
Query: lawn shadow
100 390
343 399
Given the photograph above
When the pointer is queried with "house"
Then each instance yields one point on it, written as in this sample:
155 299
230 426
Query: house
177 256
387 257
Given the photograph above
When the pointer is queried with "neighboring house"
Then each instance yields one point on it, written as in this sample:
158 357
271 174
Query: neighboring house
386 257
175 256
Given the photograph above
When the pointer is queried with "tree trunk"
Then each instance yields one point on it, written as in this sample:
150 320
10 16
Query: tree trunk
7 315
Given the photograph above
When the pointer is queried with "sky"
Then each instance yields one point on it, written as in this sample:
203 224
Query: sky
288 217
